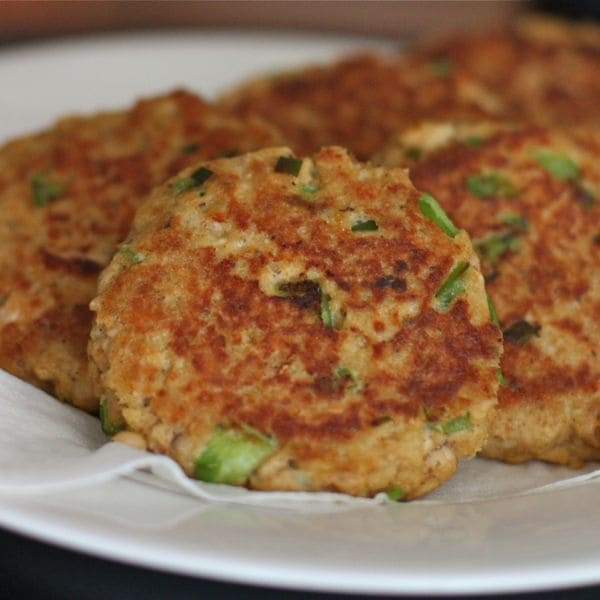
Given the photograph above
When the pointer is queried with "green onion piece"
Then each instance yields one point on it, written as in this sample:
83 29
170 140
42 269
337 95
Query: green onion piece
432 211
561 167
501 379
183 185
441 67
200 176
396 494
369 225
289 165
326 314
521 332
196 179
456 425
308 190
452 288
190 148
515 221
343 373
43 190
111 419
495 246
493 311
474 141
329 318
491 185
413 153
130 255
231 456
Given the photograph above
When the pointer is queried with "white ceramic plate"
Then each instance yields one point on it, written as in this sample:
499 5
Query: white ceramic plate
543 541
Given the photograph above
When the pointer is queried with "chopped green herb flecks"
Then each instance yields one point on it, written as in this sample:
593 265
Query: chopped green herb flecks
493 311
111 420
190 149
474 141
231 455
196 179
515 221
457 425
396 494
442 67
130 255
368 225
452 288
432 211
289 165
200 176
501 379
326 314
492 248
491 185
308 190
44 190
342 374
413 153
521 332
330 319
183 185
560 166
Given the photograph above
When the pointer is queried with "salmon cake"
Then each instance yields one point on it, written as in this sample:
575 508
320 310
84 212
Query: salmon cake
529 197
67 198
290 323
360 101
546 71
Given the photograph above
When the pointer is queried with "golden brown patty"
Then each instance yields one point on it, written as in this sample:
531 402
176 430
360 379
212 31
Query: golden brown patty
360 101
529 199
67 197
303 308
545 71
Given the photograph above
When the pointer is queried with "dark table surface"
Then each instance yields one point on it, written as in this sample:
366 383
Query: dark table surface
32 570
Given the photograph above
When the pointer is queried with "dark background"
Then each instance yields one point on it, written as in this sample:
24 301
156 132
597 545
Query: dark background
30 569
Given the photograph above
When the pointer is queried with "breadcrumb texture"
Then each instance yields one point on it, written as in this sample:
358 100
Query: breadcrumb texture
256 299
544 70
67 198
360 101
548 275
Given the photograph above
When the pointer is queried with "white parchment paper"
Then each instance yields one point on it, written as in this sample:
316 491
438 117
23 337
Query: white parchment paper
46 446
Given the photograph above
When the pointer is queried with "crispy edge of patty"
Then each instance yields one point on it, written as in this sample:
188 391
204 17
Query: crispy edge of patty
333 465
530 424
101 167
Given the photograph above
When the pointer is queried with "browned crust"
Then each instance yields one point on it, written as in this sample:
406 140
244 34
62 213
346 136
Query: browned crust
358 102
546 73
199 341
51 255
553 279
